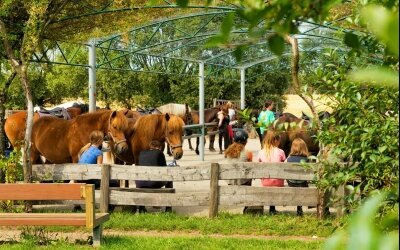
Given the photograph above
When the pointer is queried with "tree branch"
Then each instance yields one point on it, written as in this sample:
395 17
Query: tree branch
6 44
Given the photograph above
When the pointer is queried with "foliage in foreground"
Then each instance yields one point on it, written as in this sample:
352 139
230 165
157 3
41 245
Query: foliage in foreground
368 231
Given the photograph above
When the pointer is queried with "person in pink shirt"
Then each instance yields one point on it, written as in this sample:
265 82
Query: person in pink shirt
271 153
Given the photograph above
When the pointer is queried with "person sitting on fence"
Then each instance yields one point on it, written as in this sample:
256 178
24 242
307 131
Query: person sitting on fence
236 152
153 157
271 153
298 153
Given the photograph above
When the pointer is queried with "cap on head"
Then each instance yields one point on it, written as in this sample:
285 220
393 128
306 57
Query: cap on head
240 136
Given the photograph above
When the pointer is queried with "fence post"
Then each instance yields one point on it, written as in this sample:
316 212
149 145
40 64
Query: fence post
104 188
214 194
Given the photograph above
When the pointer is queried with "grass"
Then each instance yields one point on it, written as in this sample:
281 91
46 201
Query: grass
226 224
202 242
227 231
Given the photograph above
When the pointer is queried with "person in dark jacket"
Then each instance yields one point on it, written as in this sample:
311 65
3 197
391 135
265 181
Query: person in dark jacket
153 157
298 153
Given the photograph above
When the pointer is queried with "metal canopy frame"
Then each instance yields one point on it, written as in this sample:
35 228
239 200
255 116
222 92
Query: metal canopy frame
177 45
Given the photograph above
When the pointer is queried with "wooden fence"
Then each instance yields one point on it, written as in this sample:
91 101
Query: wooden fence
218 194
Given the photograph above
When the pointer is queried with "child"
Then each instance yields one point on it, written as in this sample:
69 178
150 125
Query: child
298 153
236 152
91 154
271 153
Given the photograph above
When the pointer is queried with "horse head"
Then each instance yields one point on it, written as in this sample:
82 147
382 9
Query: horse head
173 134
292 127
188 119
117 125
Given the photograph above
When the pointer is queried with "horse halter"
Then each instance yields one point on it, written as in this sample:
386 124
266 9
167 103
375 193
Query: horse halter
111 135
172 146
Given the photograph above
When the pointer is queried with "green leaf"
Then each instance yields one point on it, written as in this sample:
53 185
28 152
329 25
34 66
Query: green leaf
215 41
182 3
382 148
238 52
384 24
351 40
381 76
227 24
276 44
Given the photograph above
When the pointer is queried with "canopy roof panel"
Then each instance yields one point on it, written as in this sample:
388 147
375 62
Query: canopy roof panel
175 40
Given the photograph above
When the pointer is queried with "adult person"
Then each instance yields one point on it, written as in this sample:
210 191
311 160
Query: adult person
266 118
236 152
298 153
153 157
232 119
223 122
271 153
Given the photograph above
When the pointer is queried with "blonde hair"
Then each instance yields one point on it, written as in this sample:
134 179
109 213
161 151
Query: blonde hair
299 148
95 137
270 141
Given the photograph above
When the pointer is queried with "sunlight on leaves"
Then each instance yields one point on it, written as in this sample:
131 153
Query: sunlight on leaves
379 76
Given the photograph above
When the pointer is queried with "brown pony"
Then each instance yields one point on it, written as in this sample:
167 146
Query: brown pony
210 115
59 141
140 132
292 127
15 124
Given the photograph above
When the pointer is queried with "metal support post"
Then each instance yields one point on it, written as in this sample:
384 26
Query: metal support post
92 76
201 109
242 88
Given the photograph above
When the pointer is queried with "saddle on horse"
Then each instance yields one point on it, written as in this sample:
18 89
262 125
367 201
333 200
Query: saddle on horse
57 112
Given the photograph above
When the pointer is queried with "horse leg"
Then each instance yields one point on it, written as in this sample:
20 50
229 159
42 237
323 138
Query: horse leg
197 146
211 146
190 144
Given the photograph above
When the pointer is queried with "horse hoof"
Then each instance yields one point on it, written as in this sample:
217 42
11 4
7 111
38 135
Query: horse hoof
191 149
212 150
197 152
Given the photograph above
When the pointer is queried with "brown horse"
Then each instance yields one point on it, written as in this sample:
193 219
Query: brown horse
210 115
15 124
59 141
292 127
161 127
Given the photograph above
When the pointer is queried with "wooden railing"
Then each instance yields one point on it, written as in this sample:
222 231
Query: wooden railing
218 193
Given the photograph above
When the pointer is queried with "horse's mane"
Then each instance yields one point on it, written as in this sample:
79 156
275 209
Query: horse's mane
148 123
121 124
173 108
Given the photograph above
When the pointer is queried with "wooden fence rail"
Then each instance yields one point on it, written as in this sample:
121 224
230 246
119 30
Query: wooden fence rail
217 195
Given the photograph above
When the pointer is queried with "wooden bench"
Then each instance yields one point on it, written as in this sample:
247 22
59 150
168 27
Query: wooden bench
50 191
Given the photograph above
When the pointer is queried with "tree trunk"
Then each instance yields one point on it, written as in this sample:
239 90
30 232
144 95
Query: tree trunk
295 78
27 164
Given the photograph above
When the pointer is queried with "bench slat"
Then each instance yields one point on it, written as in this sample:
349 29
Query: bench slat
40 191
49 219
42 219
